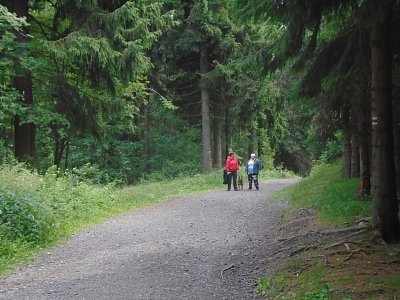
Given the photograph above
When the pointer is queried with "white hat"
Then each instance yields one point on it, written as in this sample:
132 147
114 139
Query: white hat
252 155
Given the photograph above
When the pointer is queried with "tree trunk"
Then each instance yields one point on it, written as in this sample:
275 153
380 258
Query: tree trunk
250 142
227 127
355 145
60 144
66 155
217 159
24 134
364 131
346 141
385 200
205 115
146 136
396 128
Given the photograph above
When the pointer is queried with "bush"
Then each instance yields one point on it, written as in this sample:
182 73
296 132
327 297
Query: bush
332 150
24 217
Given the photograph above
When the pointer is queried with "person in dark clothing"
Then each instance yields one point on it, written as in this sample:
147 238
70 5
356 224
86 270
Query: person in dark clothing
232 167
252 170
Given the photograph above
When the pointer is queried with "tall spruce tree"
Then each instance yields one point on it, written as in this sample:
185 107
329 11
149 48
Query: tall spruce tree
190 55
11 52
97 60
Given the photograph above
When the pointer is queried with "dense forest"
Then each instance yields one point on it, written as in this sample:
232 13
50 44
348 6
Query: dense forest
124 90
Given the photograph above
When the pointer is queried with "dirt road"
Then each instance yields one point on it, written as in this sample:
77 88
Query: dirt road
212 245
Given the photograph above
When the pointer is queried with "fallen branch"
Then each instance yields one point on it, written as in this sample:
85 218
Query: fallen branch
349 256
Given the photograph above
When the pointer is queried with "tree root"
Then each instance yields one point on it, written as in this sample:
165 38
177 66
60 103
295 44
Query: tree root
340 230
226 269
300 249
344 241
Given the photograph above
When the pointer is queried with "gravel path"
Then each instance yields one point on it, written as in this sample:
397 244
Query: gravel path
212 245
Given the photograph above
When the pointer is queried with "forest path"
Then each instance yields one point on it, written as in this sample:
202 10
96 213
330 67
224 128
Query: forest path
212 245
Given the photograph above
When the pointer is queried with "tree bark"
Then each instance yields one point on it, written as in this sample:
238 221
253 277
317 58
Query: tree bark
66 155
250 142
217 159
355 144
346 141
146 136
60 144
205 115
385 214
396 129
24 134
364 131
227 127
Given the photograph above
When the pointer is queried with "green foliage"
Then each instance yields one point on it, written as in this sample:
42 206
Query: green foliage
9 51
322 294
173 150
24 217
9 22
333 150
277 172
89 67
283 285
263 284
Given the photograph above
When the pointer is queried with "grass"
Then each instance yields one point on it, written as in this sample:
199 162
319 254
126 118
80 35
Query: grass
334 198
370 271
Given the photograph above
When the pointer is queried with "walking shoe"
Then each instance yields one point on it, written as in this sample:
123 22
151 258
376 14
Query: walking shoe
236 190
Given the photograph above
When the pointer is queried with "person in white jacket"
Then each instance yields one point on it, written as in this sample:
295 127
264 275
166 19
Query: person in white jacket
252 170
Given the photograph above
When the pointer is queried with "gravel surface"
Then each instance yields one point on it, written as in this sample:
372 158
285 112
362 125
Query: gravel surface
213 245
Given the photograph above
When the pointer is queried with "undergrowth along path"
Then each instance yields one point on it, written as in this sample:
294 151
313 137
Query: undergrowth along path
211 245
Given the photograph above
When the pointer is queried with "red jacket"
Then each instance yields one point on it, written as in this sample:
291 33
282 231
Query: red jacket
232 164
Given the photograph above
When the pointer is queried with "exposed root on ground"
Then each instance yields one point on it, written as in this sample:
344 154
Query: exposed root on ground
226 269
355 255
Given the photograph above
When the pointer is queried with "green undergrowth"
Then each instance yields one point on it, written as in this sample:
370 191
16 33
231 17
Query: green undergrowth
334 198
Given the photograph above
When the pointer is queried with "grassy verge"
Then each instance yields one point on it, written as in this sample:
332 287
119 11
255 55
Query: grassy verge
361 268
334 198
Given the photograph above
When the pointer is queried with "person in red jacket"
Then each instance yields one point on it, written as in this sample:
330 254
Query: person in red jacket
232 167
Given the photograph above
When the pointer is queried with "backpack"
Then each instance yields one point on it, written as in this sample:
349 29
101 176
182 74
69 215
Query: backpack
225 177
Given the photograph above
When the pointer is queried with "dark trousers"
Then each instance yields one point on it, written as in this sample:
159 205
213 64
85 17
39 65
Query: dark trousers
253 177
232 175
